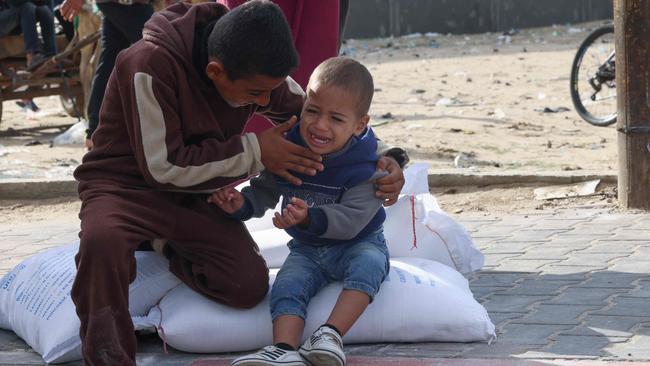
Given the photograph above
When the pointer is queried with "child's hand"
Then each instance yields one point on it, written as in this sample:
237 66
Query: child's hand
294 214
228 199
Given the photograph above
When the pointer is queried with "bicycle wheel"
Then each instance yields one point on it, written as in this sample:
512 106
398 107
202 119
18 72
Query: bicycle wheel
593 78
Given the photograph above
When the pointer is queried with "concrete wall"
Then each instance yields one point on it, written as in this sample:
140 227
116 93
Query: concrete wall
382 18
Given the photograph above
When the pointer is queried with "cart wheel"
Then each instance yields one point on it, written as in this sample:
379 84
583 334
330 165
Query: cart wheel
73 106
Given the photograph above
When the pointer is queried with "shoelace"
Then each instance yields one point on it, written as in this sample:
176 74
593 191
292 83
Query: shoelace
272 353
326 336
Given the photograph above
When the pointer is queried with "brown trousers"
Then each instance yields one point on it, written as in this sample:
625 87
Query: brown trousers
213 255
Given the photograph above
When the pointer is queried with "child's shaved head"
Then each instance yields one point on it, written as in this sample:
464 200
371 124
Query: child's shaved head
348 75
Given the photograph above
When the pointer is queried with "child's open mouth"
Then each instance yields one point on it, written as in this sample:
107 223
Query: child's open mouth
319 140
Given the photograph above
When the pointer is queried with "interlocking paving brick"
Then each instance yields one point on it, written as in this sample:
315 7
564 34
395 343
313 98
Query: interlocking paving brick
547 253
420 350
626 306
538 334
556 314
558 271
584 214
498 349
27 357
623 219
632 264
547 224
571 346
628 235
641 224
532 235
608 326
484 291
498 303
493 260
523 265
611 279
495 278
642 290
500 319
637 347
539 286
508 247
592 259
607 246
514 220
9 341
572 247
590 228
483 243
584 296
487 231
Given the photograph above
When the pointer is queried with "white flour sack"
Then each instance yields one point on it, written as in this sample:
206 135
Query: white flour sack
35 299
421 301
415 226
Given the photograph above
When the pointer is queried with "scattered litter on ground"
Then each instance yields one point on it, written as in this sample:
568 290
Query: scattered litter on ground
552 110
76 134
569 168
565 191
464 160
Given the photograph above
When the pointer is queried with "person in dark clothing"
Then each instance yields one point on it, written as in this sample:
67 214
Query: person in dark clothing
31 14
22 16
9 18
28 14
170 132
122 26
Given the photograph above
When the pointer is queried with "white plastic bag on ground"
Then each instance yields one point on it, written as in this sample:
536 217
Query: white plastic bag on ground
421 301
76 134
419 228
415 226
35 299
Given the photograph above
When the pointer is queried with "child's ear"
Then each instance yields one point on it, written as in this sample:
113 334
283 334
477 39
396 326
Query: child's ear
215 70
362 123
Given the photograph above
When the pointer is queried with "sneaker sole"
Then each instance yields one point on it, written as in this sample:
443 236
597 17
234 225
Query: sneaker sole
323 358
267 363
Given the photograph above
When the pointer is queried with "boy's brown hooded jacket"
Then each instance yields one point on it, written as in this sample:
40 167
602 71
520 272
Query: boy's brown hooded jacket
164 126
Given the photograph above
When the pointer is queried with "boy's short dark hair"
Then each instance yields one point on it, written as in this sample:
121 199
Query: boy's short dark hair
253 38
346 74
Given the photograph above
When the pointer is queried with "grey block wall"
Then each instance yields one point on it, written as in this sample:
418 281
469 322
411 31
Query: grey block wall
382 18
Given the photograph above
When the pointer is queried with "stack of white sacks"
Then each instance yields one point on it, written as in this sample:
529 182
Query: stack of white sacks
425 297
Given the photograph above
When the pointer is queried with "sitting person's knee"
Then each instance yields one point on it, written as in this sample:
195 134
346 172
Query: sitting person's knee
249 290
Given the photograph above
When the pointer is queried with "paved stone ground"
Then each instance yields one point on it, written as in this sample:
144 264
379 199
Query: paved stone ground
567 287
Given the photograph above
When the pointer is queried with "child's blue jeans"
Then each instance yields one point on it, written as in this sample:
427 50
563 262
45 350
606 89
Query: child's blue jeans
361 266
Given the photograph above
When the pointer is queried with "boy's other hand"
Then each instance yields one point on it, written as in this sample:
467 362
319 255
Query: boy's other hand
280 155
228 199
390 186
296 213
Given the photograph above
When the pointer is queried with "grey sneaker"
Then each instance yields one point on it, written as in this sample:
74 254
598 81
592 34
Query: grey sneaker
270 356
324 348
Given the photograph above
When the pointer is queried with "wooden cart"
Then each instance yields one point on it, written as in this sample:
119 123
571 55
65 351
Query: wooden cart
66 74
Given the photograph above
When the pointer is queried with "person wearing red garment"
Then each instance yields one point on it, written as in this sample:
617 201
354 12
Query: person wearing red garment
315 30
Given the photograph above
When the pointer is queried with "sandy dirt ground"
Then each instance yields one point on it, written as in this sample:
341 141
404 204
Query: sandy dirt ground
465 103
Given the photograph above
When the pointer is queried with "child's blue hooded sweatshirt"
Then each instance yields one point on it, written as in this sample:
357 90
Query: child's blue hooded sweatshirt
343 206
